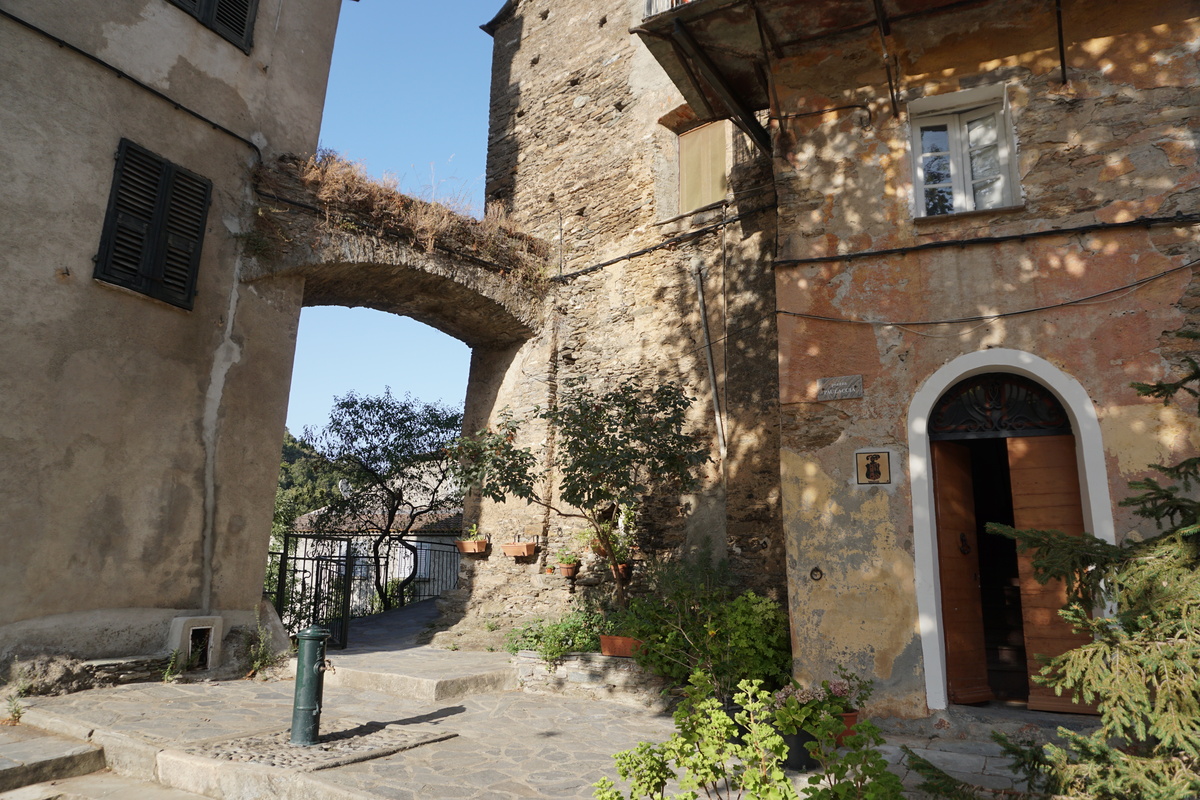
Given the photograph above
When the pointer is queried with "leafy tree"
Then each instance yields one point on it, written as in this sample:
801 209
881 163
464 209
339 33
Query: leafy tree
1142 665
611 450
303 484
388 458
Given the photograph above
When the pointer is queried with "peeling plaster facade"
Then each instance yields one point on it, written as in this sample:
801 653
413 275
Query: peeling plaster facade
1117 143
140 440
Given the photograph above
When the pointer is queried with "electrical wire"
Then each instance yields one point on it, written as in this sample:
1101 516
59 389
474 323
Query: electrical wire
990 317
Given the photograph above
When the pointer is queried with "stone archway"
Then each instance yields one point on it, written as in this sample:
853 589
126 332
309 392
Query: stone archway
474 282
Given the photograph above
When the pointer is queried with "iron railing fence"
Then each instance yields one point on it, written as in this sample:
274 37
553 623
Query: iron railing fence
330 578
659 6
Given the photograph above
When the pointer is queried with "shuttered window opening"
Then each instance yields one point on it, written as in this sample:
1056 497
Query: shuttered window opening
154 227
232 19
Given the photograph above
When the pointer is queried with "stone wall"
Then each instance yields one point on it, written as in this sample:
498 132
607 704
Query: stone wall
592 676
580 158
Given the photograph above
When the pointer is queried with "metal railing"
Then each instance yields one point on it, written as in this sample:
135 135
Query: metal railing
328 579
659 6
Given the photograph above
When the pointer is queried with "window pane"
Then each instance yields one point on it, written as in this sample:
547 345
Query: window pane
989 193
939 201
982 131
937 169
985 162
935 139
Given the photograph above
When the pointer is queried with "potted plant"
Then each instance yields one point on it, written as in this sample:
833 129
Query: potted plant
614 629
568 564
612 449
616 546
850 692
797 712
472 541
519 549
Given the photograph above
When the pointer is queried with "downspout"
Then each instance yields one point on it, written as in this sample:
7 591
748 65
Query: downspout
712 370
551 437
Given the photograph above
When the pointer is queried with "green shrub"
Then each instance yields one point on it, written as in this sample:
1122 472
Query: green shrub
741 757
575 632
707 755
693 621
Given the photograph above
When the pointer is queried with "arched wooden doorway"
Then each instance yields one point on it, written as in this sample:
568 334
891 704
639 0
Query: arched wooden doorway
1003 451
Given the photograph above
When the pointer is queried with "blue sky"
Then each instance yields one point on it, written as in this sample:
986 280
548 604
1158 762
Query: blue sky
408 95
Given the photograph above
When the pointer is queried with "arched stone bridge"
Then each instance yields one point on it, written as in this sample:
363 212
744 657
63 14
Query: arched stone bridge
473 281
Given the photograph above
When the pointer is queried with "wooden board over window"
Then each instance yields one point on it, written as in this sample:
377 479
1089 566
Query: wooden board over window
702 179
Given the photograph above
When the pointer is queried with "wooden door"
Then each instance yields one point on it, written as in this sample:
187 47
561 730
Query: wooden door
1045 489
958 566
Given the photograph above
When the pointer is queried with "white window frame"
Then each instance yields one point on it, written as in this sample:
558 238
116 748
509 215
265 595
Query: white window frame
955 111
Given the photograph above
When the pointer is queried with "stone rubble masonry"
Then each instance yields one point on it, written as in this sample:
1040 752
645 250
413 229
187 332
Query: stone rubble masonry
594 677
578 156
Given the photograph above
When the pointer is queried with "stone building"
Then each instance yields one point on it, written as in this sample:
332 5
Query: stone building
657 274
879 242
928 245
143 385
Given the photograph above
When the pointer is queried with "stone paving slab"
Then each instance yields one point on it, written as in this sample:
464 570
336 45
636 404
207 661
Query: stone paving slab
340 742
508 743
384 655
498 744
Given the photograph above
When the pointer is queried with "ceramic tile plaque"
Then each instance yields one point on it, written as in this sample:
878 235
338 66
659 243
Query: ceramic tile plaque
874 467
847 387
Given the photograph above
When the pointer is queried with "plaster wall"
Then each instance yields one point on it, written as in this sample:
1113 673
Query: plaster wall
1119 142
140 440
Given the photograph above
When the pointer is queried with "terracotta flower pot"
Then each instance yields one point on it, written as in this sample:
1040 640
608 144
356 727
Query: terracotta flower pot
471 546
623 572
849 718
519 549
568 570
620 646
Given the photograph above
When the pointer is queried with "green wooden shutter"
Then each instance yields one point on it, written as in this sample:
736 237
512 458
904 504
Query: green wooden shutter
127 245
234 19
190 6
179 257
154 226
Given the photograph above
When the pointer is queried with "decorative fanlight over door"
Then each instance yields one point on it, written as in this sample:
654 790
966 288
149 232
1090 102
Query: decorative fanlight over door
997 406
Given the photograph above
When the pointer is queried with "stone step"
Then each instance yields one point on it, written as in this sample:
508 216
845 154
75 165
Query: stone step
424 673
29 755
98 786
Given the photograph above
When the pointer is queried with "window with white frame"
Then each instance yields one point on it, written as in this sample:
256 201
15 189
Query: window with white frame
963 153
